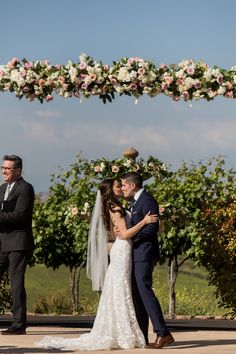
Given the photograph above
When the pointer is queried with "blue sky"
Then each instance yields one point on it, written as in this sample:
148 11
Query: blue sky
51 134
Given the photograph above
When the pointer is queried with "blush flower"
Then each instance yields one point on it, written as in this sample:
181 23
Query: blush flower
115 169
97 168
161 210
74 211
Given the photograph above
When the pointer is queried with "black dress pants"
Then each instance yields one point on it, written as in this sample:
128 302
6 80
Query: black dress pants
16 263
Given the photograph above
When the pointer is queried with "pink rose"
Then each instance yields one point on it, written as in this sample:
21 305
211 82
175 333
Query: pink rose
62 79
197 84
176 98
82 66
186 95
134 59
164 86
219 79
133 87
180 81
229 94
113 81
82 77
13 62
49 98
41 82
23 73
163 66
228 85
28 65
84 86
141 71
26 89
169 79
190 70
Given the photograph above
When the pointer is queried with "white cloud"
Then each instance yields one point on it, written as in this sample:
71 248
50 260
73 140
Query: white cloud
47 114
194 134
220 133
111 134
39 132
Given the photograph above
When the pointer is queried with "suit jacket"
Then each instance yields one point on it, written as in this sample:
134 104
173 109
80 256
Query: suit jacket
145 242
16 217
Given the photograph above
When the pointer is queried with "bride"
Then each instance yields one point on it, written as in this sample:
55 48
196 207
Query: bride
115 325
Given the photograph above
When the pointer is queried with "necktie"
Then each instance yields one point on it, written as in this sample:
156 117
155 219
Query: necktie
133 201
7 191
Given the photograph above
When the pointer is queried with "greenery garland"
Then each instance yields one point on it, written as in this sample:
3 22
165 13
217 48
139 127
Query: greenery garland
189 80
103 168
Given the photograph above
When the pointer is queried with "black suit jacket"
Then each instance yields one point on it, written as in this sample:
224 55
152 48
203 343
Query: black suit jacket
145 242
16 217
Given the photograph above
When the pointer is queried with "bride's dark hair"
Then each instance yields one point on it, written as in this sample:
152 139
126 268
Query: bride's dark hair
109 202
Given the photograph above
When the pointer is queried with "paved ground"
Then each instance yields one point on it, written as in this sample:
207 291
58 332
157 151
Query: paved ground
186 342
192 336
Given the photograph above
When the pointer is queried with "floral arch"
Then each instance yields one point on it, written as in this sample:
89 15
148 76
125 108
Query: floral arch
188 80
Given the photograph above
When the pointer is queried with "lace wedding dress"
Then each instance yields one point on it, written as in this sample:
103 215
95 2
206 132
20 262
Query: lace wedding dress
115 325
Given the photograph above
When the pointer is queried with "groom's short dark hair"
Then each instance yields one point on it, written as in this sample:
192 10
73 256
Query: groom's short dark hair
133 177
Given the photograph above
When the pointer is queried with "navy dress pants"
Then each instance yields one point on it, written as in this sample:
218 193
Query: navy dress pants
145 302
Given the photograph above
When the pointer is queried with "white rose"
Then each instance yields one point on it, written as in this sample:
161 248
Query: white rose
127 163
180 73
216 72
123 75
102 166
83 58
221 90
73 73
208 74
133 74
197 94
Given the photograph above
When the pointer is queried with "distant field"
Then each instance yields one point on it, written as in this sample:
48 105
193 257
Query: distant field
194 296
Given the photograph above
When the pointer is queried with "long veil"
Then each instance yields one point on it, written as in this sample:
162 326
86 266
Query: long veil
97 256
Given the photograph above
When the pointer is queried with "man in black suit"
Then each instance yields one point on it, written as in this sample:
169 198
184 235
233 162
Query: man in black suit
145 256
16 238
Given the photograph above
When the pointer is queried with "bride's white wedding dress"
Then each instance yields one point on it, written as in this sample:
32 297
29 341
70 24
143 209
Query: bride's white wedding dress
115 325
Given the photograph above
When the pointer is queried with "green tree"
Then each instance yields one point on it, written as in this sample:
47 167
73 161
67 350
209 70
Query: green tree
5 294
183 198
61 224
219 250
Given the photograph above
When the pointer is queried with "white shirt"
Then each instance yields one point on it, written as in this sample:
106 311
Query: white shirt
137 194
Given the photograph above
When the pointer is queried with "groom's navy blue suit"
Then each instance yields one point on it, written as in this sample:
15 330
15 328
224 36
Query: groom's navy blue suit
145 256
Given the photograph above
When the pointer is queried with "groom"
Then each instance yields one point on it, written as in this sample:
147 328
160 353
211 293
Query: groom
145 256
